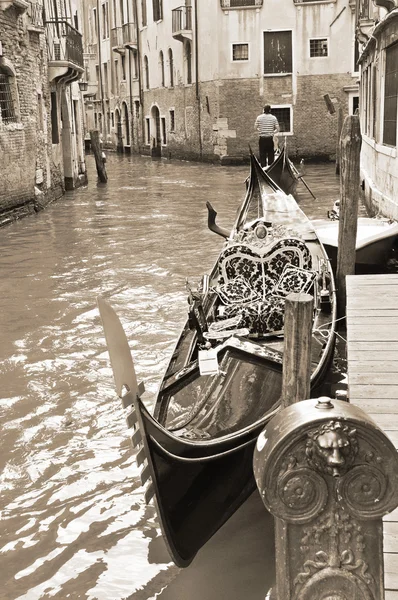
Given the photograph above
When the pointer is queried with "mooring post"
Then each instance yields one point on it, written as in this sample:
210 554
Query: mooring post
339 130
296 376
350 144
99 161
328 474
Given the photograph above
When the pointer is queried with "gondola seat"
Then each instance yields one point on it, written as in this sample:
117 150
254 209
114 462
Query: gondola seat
253 282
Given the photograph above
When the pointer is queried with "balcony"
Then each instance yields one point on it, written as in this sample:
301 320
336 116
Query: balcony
65 52
182 23
19 5
227 4
130 36
117 40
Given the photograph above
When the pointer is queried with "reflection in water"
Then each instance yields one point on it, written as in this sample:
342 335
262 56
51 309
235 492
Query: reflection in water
73 521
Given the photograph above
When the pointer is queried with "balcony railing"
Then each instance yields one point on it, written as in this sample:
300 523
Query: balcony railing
181 19
240 3
65 45
116 37
129 34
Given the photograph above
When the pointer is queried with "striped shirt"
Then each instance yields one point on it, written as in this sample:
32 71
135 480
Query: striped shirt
267 125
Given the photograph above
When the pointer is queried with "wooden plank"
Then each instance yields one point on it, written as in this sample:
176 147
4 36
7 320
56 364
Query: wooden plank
373 391
357 281
376 346
388 301
371 313
377 405
385 420
359 365
390 536
393 516
391 595
391 571
372 332
364 320
393 435
366 378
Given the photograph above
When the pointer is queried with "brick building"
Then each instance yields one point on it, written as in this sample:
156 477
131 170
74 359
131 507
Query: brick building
41 116
190 80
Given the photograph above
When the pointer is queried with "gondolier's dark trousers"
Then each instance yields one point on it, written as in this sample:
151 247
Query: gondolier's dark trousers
266 147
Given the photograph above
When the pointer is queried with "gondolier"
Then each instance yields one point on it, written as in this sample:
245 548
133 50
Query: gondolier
267 126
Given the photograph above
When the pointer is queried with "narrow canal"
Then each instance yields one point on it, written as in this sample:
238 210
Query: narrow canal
73 522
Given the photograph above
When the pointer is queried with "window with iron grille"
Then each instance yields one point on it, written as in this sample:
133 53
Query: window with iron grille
172 120
240 51
164 138
318 47
277 52
390 96
161 64
283 114
171 67
7 107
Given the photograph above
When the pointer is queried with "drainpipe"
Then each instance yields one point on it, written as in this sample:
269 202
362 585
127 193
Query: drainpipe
197 81
141 95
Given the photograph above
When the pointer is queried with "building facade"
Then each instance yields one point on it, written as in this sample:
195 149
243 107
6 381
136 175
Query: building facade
195 76
41 114
378 33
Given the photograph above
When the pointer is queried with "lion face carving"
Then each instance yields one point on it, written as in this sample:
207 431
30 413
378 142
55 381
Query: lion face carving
332 448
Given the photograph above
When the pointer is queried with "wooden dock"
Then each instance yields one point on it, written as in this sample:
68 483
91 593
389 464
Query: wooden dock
372 353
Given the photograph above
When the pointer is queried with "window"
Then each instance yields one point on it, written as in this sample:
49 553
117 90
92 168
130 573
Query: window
104 22
356 55
318 47
240 51
390 96
277 52
106 90
136 108
122 12
116 77
172 120
148 130
54 119
240 3
188 58
7 104
161 65
95 25
123 59
143 13
113 119
157 10
146 72
164 139
171 67
355 104
283 114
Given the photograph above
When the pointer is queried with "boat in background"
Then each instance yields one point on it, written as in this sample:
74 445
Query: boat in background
284 173
376 238
224 379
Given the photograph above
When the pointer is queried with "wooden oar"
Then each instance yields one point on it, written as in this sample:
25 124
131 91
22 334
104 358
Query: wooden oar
299 176
119 350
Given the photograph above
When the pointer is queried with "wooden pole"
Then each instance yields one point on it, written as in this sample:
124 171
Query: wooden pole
297 348
350 145
99 162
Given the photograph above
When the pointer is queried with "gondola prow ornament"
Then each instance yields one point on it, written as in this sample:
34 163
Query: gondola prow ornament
328 474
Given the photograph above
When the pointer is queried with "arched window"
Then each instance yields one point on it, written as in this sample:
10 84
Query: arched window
8 112
146 72
188 57
171 67
161 64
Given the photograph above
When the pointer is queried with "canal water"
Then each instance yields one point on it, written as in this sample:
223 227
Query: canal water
73 521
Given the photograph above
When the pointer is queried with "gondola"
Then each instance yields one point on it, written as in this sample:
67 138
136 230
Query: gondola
283 173
223 382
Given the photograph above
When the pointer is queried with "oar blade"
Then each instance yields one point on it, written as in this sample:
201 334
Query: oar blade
118 348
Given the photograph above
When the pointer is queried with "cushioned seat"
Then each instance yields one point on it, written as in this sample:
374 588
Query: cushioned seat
253 282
